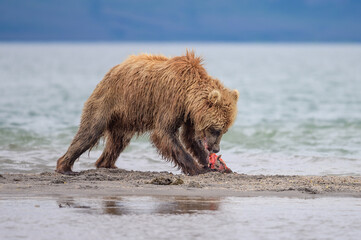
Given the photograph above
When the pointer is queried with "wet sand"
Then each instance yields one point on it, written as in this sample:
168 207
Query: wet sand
105 182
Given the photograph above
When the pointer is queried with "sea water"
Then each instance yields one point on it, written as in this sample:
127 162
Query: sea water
299 110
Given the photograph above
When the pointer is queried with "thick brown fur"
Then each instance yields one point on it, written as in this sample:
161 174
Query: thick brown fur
160 95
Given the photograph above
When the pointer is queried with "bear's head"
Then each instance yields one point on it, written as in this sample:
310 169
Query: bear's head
216 116
211 107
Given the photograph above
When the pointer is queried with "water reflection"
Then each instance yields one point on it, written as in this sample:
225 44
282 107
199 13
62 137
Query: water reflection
142 205
176 218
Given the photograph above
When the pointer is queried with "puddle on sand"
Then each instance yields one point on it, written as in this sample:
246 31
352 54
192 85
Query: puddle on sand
174 217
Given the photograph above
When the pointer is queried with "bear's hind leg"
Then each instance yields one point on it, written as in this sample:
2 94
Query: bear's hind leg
116 142
170 148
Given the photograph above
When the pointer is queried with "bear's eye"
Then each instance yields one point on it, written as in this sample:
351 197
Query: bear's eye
214 131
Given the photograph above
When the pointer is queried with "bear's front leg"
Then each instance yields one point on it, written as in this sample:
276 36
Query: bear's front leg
189 140
170 148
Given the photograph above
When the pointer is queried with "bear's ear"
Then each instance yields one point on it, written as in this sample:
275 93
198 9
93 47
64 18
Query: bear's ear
235 94
214 97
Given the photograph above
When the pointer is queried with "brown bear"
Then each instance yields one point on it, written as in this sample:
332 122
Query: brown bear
185 110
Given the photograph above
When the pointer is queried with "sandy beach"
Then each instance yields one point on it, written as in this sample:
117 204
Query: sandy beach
105 182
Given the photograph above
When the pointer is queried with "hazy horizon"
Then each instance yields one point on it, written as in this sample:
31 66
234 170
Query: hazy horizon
181 21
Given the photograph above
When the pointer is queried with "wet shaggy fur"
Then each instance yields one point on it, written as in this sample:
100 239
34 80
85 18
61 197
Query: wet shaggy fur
159 95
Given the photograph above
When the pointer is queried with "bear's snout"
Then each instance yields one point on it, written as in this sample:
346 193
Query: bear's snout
215 149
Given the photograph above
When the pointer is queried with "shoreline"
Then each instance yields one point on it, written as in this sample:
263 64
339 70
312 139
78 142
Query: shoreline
116 182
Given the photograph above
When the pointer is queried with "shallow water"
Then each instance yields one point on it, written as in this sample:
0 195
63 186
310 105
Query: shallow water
299 106
180 218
